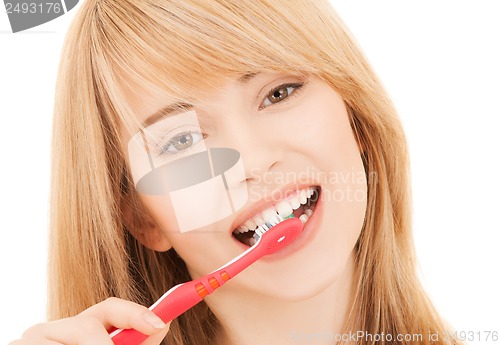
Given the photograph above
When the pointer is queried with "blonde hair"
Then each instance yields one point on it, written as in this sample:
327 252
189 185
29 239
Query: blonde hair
164 46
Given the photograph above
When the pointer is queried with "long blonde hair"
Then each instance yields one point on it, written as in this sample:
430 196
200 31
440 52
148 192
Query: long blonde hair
164 46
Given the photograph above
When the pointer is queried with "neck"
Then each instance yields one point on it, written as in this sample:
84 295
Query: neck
266 320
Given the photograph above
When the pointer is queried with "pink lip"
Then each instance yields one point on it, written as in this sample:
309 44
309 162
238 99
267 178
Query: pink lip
263 204
308 232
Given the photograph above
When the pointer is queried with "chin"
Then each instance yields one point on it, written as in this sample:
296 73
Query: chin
301 283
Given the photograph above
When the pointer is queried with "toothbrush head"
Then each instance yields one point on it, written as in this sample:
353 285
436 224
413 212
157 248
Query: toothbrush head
280 235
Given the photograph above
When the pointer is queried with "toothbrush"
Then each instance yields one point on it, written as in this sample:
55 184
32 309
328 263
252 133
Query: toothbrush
184 296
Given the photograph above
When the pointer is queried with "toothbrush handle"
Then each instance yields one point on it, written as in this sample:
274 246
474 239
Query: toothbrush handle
184 296
173 303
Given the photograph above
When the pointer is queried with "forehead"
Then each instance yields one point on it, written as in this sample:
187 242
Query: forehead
148 106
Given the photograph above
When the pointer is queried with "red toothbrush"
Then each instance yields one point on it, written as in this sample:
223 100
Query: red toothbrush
184 296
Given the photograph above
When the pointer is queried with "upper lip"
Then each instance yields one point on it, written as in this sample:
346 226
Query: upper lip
264 203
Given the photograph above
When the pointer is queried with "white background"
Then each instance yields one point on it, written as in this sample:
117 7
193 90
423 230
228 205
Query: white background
439 61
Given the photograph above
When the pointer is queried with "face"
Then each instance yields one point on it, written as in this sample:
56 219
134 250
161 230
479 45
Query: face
294 137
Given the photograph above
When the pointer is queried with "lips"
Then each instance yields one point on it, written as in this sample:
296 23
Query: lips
298 203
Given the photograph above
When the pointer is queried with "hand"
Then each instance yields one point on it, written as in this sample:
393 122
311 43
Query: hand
92 325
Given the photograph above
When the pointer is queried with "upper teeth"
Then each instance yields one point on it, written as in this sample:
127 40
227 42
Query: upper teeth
282 209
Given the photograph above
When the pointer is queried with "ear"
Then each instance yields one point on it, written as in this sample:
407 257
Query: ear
143 227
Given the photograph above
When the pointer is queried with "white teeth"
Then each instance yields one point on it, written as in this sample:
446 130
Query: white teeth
267 214
302 197
284 208
242 229
295 203
276 214
304 218
258 220
250 224
252 241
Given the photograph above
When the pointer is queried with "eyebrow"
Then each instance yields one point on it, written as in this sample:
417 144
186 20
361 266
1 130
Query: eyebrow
245 78
165 112
169 109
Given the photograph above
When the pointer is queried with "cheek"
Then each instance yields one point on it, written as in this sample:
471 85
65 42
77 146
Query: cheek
160 208
191 246
344 180
335 153
319 128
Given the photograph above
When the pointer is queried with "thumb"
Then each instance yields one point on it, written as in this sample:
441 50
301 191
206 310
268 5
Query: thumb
157 338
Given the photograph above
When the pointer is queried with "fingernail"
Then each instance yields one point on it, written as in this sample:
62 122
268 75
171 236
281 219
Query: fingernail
154 320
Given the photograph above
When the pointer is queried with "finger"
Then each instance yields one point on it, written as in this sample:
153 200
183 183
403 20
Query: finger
34 342
78 331
119 313
156 339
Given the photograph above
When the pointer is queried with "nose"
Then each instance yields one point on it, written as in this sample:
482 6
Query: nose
259 147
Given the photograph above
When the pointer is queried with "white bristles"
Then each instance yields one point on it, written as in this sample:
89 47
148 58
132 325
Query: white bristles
259 231
274 220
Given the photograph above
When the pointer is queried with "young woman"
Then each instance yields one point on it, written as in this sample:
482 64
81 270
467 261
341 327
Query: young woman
282 83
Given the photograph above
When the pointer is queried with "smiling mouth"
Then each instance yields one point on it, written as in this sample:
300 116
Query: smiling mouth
300 205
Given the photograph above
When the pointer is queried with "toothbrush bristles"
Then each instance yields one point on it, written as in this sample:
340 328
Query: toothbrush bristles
262 229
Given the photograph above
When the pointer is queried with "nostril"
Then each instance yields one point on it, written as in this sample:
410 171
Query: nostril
273 165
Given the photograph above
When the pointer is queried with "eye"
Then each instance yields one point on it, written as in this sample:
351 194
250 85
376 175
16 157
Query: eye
181 142
280 93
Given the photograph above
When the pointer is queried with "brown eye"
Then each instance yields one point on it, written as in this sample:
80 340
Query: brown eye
280 94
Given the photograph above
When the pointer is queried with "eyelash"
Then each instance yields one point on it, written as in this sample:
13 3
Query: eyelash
297 87
163 150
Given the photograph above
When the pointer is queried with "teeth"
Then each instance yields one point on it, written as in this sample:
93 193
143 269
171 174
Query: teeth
303 197
304 218
284 208
242 229
268 218
268 214
295 203
250 224
258 220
